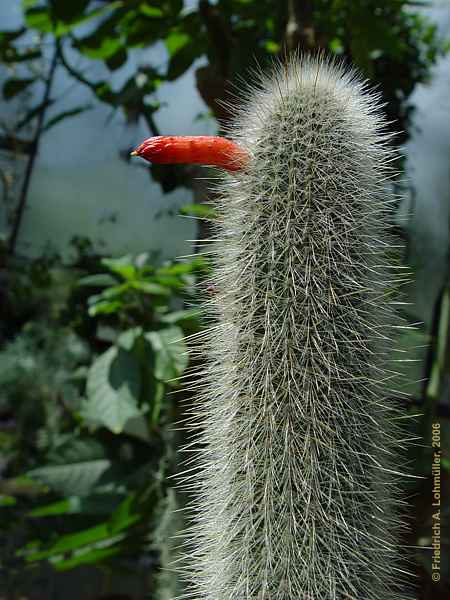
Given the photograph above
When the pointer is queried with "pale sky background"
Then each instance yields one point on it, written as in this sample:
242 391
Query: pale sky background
79 181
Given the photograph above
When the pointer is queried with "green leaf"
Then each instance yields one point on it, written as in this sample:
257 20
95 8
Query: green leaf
94 556
73 541
102 535
117 60
170 352
39 18
175 41
150 11
7 500
100 280
123 266
178 316
202 211
65 115
55 508
77 449
127 339
14 86
150 288
113 388
105 307
71 479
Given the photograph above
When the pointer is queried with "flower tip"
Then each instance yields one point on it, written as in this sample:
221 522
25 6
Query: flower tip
134 153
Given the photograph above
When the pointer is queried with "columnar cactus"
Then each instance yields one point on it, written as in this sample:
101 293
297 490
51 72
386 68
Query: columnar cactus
297 492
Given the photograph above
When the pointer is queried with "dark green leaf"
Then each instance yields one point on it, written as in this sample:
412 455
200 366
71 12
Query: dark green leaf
117 60
153 289
65 11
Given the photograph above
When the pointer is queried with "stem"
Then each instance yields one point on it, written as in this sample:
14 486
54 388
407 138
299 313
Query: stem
31 160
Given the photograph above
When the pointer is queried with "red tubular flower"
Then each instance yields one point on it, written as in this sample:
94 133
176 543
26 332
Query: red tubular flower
200 149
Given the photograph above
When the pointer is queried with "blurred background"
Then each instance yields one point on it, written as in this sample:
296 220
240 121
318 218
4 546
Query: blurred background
98 283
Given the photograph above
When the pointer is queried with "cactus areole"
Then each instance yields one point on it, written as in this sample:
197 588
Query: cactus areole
296 480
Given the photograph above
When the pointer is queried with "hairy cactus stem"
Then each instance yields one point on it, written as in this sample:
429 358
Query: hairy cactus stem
297 484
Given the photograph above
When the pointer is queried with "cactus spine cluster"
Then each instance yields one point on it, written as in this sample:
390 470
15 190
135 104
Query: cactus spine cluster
296 489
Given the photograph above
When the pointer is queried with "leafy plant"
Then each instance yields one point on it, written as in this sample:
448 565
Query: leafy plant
88 438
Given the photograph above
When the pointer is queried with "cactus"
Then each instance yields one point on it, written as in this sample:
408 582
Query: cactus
297 486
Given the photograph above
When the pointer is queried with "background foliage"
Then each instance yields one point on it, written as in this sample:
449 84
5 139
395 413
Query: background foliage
92 353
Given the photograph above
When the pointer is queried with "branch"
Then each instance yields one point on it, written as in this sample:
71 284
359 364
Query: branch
32 157
94 85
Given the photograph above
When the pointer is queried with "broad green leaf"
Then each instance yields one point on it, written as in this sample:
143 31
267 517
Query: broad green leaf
77 449
127 339
65 115
14 86
113 388
170 352
71 479
137 427
100 280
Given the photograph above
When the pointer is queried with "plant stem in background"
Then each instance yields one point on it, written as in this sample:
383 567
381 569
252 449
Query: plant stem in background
17 221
